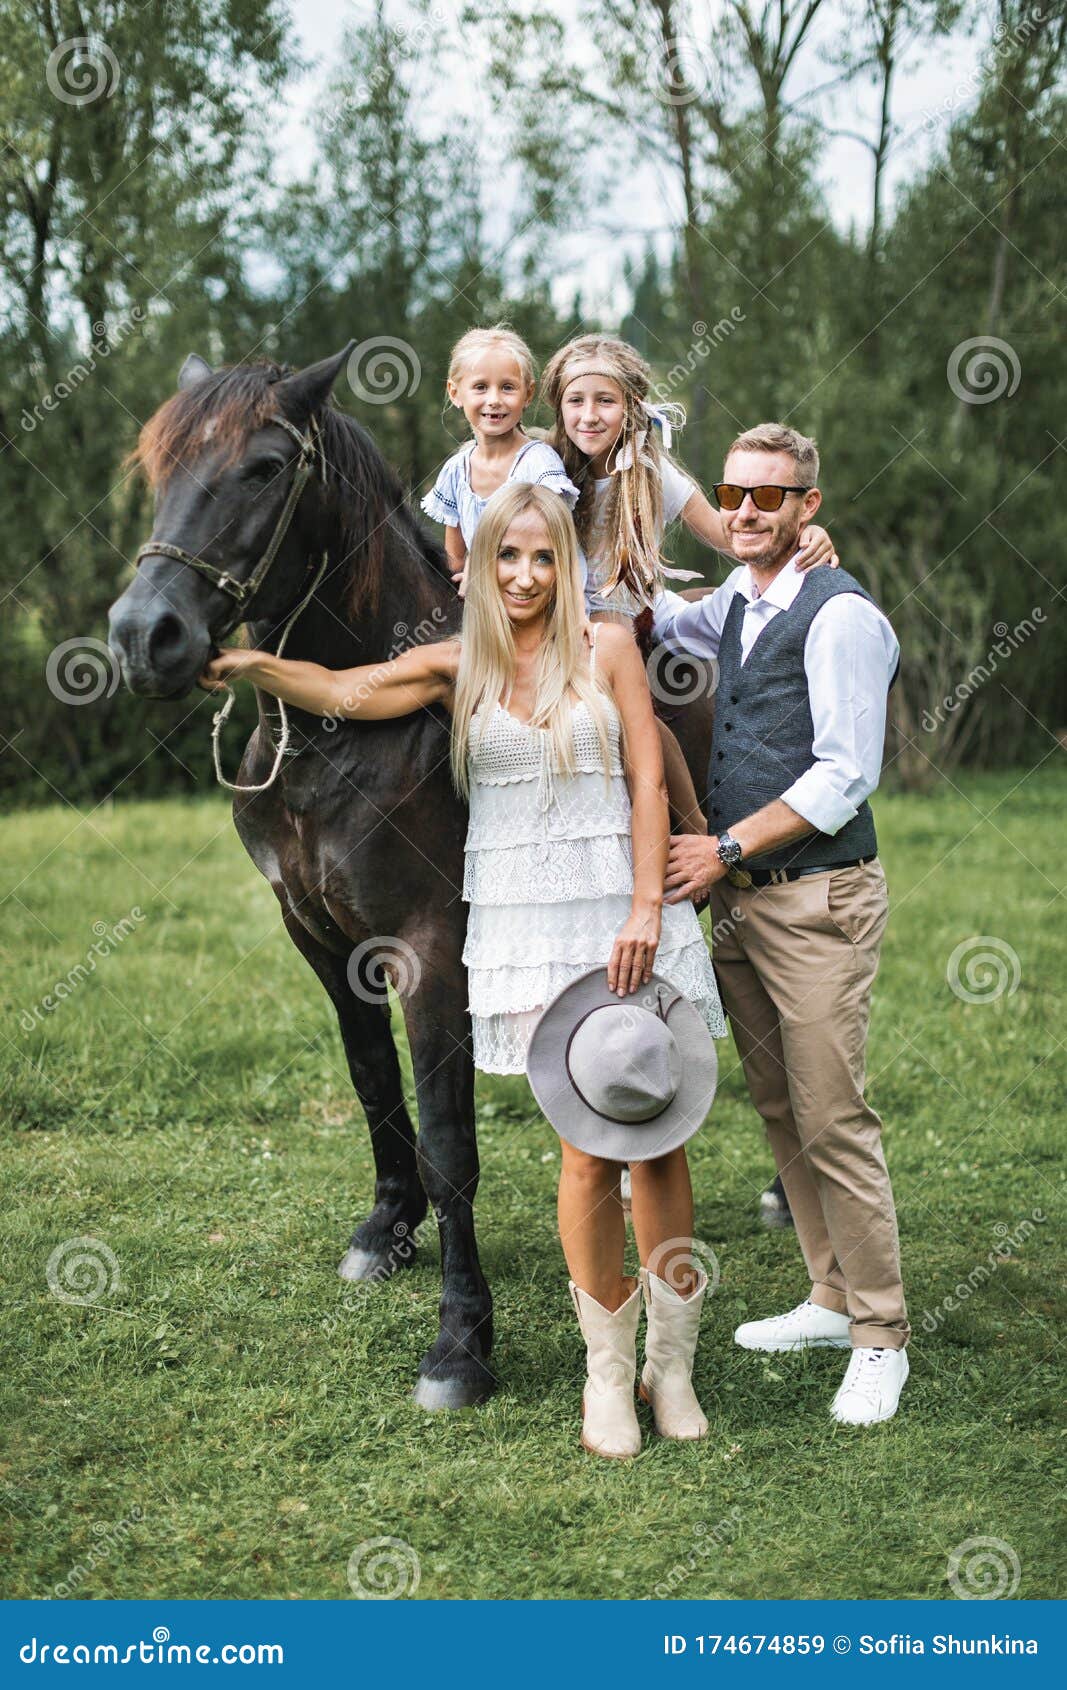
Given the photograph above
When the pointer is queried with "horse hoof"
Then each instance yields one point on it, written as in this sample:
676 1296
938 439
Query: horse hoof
359 1266
444 1395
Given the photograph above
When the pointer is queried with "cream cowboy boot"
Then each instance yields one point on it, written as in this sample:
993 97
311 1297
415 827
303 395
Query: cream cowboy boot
609 1421
670 1345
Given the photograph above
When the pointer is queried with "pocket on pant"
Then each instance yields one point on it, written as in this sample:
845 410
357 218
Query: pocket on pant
855 900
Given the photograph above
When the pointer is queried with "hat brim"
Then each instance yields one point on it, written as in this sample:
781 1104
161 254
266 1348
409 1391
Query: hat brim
583 1127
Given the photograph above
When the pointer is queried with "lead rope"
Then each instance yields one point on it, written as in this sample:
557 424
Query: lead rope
222 714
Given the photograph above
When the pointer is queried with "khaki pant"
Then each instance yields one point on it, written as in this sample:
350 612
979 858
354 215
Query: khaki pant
795 963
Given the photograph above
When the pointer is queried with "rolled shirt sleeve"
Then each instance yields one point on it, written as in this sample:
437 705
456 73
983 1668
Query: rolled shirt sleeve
850 655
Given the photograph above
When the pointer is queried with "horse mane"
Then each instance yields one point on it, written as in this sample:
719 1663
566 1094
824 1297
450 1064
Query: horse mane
238 399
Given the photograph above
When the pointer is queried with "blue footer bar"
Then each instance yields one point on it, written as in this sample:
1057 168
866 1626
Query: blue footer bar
515 1644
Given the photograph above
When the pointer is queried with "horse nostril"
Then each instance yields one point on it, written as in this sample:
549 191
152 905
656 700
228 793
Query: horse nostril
168 640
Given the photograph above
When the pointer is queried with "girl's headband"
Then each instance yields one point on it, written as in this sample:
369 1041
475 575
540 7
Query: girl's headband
666 418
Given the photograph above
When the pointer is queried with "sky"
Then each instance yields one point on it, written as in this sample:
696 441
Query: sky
932 84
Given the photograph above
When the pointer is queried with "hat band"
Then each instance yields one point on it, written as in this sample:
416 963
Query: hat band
614 1119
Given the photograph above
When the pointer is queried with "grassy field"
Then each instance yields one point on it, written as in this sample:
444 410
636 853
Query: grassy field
227 1419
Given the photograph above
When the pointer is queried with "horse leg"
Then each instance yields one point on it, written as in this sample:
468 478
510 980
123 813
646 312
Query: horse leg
385 1241
454 1372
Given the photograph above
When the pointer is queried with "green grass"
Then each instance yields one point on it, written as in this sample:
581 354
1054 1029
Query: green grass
187 1105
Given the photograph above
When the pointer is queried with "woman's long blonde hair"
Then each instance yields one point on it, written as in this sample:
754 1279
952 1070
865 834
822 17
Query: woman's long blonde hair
487 664
634 513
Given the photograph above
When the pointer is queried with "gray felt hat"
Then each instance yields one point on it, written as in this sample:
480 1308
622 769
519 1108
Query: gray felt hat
626 1078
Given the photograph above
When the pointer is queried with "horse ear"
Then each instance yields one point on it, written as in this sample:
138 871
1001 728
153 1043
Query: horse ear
307 391
194 370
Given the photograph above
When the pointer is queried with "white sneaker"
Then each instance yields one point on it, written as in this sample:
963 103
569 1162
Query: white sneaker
870 1390
804 1327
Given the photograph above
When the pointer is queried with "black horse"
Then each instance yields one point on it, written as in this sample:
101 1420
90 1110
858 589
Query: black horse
361 834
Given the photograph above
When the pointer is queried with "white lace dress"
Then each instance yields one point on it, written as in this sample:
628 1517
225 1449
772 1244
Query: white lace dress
549 876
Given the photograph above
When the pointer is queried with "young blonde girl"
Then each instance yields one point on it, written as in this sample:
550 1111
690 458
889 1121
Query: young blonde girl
555 746
614 440
491 380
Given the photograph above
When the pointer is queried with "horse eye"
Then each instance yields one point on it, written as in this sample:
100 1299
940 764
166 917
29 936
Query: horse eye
261 469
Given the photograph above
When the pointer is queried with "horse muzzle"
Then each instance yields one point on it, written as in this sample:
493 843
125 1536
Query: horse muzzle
160 647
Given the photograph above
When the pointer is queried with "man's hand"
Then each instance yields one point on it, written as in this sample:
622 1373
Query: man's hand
693 867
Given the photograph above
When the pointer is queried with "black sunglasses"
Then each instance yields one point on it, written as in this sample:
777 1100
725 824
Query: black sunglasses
731 497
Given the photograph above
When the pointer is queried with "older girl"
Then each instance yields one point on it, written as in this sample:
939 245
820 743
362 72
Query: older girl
614 442
554 743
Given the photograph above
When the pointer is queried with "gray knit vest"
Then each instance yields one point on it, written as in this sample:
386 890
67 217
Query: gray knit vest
764 735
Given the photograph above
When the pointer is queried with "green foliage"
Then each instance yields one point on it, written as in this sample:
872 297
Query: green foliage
145 223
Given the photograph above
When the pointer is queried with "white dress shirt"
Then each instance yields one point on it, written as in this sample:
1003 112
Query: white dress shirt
850 654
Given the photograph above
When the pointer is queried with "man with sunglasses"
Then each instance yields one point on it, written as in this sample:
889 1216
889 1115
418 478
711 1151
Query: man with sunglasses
798 896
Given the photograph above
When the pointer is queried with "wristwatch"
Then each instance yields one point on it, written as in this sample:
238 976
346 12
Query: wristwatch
730 851
731 854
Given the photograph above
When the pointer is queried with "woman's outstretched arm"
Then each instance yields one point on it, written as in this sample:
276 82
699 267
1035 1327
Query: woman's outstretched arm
371 692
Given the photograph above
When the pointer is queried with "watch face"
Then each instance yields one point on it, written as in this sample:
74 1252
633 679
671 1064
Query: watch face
729 849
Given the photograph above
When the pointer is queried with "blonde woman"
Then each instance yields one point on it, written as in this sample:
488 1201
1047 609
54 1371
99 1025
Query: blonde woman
555 746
